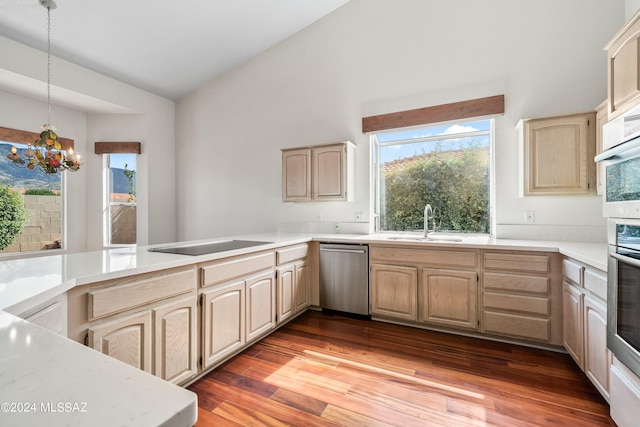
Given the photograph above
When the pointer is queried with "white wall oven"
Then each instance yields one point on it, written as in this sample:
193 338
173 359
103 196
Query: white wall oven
621 161
623 291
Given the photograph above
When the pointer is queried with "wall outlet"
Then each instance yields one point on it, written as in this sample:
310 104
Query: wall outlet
529 217
319 217
359 216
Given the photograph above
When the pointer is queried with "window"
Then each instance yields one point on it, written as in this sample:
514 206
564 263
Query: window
43 199
445 165
120 212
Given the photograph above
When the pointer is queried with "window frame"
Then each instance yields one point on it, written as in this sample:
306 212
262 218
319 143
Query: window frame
107 223
376 176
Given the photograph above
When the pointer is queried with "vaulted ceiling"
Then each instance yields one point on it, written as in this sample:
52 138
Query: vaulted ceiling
165 47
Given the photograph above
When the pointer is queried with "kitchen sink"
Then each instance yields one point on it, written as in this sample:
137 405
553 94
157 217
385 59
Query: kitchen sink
208 248
431 238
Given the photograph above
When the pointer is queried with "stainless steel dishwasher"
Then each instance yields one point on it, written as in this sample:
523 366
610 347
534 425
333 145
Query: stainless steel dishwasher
344 278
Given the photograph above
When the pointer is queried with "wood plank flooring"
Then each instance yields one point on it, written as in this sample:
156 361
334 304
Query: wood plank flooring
328 370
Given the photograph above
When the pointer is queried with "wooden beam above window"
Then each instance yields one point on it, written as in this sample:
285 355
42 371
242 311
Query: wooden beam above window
117 147
435 114
25 137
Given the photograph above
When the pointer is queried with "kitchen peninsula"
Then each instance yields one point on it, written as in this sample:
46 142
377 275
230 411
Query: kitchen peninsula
36 361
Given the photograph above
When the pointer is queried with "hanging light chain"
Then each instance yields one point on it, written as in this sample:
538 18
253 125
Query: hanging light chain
48 64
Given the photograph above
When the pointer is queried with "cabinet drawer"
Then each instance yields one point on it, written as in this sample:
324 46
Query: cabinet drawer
516 283
521 303
596 282
437 258
291 253
516 325
231 268
517 262
129 294
573 271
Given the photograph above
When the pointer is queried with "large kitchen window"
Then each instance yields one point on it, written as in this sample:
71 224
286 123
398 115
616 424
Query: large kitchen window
43 199
445 165
120 212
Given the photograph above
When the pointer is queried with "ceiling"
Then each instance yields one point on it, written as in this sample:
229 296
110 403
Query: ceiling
165 47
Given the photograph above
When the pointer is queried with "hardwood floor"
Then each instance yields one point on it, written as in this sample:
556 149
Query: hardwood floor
329 370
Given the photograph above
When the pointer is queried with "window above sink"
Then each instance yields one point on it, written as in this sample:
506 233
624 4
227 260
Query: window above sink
447 165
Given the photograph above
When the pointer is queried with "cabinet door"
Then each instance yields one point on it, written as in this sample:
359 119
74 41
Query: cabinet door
223 322
572 321
302 287
175 333
261 305
329 172
597 357
623 54
296 175
558 155
52 315
393 291
449 297
127 339
286 283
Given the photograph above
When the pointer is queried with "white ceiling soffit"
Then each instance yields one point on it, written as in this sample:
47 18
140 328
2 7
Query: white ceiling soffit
36 89
165 47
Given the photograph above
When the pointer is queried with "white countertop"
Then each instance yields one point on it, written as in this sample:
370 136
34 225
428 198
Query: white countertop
27 282
47 380
40 367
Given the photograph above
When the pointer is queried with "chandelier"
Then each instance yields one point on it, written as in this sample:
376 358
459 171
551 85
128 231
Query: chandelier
46 152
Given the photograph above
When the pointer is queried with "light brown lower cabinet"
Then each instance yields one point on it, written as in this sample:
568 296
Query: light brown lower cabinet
293 289
597 357
522 296
393 291
127 339
260 305
161 340
236 313
585 322
449 297
148 321
223 321
286 287
175 338
293 281
302 289
573 322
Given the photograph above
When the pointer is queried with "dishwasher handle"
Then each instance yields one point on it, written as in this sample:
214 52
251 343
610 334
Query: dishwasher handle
350 251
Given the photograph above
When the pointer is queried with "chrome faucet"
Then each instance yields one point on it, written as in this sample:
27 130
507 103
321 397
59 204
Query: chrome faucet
429 214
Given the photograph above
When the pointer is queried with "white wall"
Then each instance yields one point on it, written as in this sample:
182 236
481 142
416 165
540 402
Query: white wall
379 56
91 99
631 7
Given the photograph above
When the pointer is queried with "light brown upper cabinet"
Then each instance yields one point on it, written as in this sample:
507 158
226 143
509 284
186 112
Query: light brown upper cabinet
623 54
557 155
319 173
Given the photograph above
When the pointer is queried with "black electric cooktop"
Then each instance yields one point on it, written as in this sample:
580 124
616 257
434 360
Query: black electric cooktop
208 248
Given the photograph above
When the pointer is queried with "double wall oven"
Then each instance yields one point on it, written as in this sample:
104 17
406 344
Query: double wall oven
621 162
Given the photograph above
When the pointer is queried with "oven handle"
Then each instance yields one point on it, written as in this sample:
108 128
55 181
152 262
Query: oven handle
628 260
625 150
